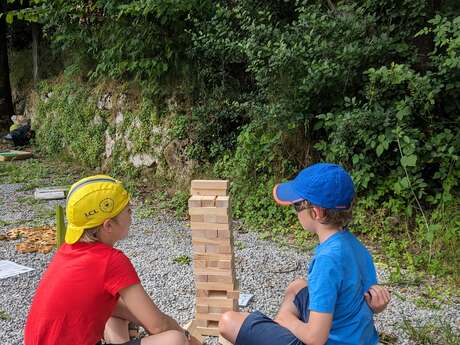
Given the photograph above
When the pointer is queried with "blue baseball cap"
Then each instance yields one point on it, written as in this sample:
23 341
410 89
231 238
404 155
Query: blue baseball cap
323 184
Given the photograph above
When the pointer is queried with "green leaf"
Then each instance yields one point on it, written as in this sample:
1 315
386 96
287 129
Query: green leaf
409 161
9 18
379 150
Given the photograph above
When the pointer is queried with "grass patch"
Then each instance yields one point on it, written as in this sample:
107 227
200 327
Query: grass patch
431 334
182 260
4 315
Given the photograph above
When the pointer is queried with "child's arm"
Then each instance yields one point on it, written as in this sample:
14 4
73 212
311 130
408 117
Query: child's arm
377 297
146 312
315 332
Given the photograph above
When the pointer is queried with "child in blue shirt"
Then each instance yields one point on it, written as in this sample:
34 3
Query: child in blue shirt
337 305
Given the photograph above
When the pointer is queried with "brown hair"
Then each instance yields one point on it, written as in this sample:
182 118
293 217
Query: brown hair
338 218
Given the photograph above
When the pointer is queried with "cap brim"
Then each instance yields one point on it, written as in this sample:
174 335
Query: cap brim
285 195
73 233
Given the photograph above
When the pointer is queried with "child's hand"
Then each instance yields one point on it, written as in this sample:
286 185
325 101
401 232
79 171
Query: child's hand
377 297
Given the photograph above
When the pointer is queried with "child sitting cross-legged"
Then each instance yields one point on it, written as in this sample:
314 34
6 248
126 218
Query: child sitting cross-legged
90 290
342 295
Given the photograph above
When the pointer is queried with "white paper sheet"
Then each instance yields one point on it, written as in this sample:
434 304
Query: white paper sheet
10 269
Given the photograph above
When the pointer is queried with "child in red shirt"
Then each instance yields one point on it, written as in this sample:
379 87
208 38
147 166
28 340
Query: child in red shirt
90 290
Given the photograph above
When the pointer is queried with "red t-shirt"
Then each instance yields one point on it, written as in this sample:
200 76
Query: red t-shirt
77 295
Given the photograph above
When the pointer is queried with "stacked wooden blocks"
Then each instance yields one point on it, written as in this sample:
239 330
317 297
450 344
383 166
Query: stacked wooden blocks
210 221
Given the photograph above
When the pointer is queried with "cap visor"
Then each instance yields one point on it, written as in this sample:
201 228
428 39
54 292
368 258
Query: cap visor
73 234
285 195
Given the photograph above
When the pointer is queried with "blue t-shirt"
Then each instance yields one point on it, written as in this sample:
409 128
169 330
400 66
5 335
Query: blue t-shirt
340 273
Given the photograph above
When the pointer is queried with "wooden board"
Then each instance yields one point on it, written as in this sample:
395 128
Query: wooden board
14 155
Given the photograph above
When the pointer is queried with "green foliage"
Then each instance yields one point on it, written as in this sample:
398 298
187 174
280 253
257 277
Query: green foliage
182 260
267 87
70 125
431 333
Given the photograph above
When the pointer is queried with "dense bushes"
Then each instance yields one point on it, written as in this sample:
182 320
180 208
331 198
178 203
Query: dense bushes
268 87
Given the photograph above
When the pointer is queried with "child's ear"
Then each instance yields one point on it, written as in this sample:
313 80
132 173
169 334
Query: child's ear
107 226
319 212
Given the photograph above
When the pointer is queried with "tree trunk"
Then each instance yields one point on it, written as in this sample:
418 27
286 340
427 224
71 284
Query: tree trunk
6 101
35 52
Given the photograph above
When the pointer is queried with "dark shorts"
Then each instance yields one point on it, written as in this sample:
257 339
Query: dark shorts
258 329
131 342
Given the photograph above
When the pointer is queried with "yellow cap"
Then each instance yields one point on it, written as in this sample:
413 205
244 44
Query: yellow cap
90 202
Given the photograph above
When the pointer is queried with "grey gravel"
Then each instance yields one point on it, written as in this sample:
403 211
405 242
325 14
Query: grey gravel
263 268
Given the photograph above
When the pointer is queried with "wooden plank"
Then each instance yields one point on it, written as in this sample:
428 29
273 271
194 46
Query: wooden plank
210 234
208 211
191 327
220 279
209 331
213 256
208 192
209 226
208 316
208 201
194 201
216 302
213 271
210 184
222 264
14 155
215 286
225 242
222 201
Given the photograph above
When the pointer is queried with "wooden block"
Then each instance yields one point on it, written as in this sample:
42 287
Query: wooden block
201 278
214 241
208 316
208 192
224 234
235 294
208 210
215 286
210 331
209 226
212 256
210 234
219 310
210 184
208 201
221 264
191 327
212 218
194 201
197 218
199 248
222 201
202 309
215 301
211 271
220 279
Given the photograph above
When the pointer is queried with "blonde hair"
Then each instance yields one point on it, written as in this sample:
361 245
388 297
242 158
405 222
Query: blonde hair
90 235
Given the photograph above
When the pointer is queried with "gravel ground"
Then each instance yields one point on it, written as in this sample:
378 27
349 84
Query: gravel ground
263 269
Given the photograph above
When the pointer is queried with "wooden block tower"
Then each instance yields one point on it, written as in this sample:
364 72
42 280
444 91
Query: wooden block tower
213 260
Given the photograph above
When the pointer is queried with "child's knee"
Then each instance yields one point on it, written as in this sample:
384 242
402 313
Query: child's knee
225 322
175 338
295 286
